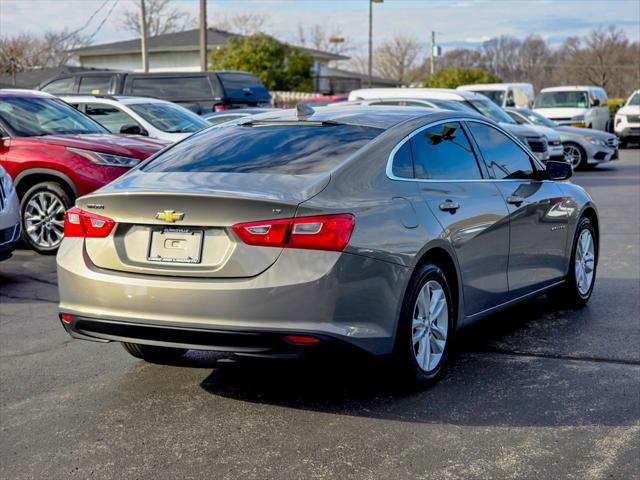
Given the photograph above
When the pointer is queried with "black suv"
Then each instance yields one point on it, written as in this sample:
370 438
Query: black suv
200 92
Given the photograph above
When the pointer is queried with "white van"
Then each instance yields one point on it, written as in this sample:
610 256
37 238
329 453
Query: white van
576 106
504 94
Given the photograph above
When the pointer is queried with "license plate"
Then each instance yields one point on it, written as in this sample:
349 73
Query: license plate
175 245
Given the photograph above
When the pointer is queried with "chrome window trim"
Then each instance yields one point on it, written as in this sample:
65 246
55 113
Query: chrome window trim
389 168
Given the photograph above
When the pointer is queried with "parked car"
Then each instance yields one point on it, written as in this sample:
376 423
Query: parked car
374 229
9 215
536 141
149 117
215 118
198 91
504 94
582 147
627 121
54 154
324 100
577 106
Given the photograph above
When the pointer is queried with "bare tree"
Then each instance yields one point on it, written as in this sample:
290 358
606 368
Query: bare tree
320 37
399 59
243 23
59 46
161 18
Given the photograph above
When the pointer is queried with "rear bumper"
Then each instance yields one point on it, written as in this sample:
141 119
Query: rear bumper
346 297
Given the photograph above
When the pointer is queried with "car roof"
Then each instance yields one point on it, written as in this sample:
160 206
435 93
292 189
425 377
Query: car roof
383 117
124 99
416 93
18 92
570 88
492 86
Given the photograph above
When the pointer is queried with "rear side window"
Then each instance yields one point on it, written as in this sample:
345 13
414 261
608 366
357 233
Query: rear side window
504 159
62 85
283 149
172 87
239 85
96 85
443 152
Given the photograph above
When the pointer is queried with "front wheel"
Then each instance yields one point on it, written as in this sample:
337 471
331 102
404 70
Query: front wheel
574 155
426 326
579 283
152 353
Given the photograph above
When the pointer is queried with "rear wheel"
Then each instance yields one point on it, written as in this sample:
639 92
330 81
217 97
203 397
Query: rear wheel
42 212
578 286
574 155
425 327
152 353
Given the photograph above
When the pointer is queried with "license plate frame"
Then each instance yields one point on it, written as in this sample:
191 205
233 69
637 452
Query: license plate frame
188 240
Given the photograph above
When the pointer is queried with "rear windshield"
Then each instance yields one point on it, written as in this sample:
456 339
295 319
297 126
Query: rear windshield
241 85
283 149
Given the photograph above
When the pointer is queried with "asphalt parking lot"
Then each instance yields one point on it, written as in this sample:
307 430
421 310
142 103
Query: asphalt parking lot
532 393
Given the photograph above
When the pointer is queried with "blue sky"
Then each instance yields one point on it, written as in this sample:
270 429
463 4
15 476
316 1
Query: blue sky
458 22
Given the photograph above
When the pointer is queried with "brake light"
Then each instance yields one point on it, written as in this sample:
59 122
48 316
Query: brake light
78 223
220 108
325 232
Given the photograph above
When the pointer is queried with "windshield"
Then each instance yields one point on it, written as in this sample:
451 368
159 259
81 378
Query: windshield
567 99
31 117
634 100
538 119
169 118
491 110
496 96
283 149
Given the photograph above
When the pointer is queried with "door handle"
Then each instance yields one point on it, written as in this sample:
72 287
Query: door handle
449 206
516 200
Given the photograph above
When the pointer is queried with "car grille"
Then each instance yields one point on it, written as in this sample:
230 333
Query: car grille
3 194
537 145
633 118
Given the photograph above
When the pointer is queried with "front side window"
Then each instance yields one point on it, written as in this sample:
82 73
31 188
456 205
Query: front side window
566 99
62 85
96 85
110 117
30 117
503 157
265 148
169 118
443 152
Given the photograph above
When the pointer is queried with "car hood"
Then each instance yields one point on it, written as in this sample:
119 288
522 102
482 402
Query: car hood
520 131
128 146
585 131
568 112
630 110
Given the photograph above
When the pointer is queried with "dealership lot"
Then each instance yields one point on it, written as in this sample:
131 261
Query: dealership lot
531 393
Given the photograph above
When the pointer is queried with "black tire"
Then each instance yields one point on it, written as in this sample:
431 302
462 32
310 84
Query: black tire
152 353
582 163
52 188
568 294
622 144
405 359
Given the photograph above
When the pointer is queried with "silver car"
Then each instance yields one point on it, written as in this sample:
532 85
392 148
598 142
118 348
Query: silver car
9 215
582 147
380 230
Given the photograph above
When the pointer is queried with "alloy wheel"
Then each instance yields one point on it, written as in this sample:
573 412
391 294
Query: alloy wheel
430 326
572 155
44 219
584 262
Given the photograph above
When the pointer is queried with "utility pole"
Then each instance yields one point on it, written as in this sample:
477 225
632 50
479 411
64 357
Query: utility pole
433 50
371 2
203 35
143 37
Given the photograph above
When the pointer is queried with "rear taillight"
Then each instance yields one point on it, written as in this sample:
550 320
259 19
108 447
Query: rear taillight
220 108
326 232
78 223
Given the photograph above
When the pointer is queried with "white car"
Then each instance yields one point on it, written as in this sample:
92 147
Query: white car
627 121
9 215
504 94
139 116
576 106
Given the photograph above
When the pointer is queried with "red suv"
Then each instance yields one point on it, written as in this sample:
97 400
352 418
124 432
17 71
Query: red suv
54 154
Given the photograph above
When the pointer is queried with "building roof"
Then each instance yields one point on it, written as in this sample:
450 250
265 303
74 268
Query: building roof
34 77
182 41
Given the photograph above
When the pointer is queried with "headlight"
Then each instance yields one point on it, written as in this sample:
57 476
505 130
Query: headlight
596 141
578 121
618 119
107 159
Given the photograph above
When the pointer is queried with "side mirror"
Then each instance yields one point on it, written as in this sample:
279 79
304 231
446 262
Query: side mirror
595 102
558 170
132 129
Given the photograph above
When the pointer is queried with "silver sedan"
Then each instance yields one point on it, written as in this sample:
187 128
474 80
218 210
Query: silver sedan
378 229
582 147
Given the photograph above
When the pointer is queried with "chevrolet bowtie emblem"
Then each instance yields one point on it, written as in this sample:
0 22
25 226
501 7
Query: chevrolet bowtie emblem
170 216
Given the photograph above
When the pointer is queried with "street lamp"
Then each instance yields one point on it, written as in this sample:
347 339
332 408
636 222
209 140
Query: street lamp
371 2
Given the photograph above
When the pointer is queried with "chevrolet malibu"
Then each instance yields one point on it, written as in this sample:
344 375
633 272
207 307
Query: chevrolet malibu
381 230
